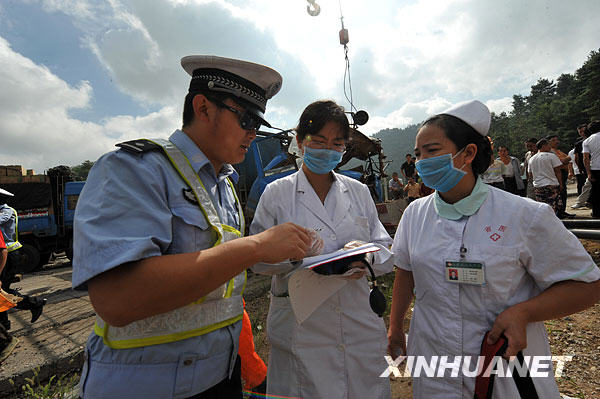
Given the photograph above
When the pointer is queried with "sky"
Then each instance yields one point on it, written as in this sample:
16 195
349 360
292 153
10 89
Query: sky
79 76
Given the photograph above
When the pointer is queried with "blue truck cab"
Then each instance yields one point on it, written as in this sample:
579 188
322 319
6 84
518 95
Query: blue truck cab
46 208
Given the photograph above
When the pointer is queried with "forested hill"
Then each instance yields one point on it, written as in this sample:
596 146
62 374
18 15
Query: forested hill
396 144
552 107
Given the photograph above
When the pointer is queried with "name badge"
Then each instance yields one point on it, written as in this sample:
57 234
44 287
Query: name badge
462 272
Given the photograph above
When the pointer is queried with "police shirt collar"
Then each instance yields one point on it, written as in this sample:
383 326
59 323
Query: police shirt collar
466 206
197 157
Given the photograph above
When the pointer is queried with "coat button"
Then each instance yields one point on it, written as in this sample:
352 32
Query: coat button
341 347
332 237
187 362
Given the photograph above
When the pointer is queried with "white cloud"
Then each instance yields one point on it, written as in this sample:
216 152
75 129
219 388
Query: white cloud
35 125
410 113
500 105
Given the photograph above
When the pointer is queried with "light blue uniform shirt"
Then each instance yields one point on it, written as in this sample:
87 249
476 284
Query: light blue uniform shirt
8 224
133 207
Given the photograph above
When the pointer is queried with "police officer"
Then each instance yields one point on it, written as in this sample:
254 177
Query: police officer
10 232
157 245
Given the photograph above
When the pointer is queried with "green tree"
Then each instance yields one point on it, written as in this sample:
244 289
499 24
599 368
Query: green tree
81 171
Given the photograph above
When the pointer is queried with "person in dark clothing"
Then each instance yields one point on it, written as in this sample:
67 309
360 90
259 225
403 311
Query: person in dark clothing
564 170
582 175
408 168
8 228
7 341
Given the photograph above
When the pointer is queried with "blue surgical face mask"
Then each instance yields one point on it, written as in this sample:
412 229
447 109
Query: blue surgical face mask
439 172
321 161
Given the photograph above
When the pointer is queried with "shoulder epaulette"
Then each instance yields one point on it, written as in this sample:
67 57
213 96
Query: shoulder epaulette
138 146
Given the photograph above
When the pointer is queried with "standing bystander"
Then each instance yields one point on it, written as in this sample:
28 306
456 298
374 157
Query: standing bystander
544 170
493 174
408 167
554 141
591 160
7 341
9 229
530 144
578 151
511 172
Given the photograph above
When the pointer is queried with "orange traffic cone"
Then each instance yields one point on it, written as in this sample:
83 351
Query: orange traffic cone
254 370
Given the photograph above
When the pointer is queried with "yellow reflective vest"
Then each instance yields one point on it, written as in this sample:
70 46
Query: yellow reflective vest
216 310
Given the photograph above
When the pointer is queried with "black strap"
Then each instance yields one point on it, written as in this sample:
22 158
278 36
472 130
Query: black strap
524 383
484 386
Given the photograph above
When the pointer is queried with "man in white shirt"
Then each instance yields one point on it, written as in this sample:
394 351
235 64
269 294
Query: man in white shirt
591 160
544 170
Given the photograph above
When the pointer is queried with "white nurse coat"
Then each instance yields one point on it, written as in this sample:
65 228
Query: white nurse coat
525 248
338 352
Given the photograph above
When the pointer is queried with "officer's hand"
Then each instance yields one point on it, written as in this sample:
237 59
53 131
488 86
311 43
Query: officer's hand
513 323
282 242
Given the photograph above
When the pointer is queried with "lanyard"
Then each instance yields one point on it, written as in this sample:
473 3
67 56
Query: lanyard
463 249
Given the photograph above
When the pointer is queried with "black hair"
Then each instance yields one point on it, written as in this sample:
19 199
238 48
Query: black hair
586 132
541 143
502 146
408 155
551 136
583 125
188 104
316 115
593 127
532 140
462 134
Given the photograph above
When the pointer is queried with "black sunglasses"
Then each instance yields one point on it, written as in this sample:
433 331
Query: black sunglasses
247 120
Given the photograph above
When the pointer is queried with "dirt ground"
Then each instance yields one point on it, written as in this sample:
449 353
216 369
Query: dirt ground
577 335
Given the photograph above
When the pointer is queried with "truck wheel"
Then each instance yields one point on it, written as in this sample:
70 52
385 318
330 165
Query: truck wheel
30 258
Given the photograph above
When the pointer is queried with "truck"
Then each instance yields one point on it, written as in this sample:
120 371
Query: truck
45 206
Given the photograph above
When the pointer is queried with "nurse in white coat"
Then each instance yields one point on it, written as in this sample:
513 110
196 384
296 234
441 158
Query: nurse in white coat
338 351
525 266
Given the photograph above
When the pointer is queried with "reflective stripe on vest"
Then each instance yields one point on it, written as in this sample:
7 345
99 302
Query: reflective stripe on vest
16 244
218 309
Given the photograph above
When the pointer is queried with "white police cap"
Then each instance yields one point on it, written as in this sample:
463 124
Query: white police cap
474 113
251 83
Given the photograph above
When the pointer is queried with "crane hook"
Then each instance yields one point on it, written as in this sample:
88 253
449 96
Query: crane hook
315 10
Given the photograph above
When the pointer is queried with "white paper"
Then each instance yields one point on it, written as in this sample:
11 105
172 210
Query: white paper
315 261
309 290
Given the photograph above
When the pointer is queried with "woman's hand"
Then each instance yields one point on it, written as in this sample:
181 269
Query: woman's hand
513 324
396 344
359 271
